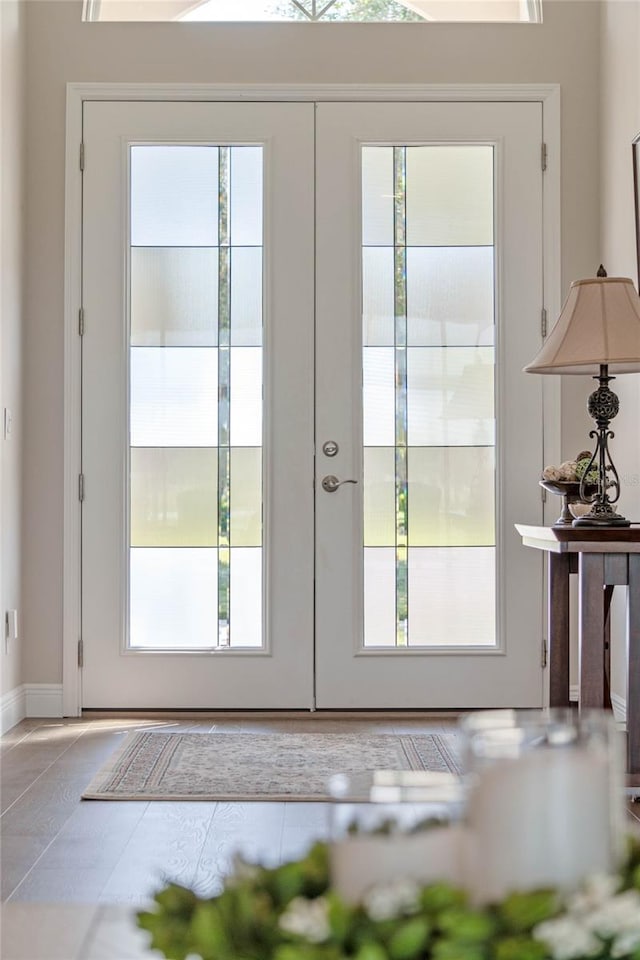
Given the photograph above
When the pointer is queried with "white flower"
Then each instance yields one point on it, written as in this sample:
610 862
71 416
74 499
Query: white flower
389 900
625 944
307 918
597 888
620 914
566 938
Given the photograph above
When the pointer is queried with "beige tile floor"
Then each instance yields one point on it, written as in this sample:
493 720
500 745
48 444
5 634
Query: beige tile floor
36 931
73 873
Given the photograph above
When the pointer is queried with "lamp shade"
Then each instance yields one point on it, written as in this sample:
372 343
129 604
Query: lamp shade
599 323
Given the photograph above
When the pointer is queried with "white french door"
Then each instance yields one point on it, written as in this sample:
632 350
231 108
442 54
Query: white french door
220 242
197 430
429 258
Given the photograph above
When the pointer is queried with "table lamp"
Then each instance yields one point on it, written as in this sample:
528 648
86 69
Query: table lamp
598 333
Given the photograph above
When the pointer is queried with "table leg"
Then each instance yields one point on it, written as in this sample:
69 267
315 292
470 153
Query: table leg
606 639
558 629
591 588
633 681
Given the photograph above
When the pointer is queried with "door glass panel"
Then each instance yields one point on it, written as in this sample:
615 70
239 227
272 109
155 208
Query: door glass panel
379 395
174 196
449 196
452 596
450 396
451 494
246 595
174 296
379 496
379 596
195 496
450 296
173 598
377 191
174 397
246 396
246 497
246 296
428 396
174 499
245 196
377 296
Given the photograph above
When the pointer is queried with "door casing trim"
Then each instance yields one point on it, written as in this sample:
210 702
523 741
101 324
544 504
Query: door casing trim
77 93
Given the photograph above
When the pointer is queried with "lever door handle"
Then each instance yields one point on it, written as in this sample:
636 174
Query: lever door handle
331 483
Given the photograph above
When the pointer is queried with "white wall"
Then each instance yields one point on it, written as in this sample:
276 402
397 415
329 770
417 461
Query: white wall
12 216
565 49
620 123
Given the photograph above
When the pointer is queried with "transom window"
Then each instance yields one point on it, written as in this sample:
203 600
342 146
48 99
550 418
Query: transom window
314 11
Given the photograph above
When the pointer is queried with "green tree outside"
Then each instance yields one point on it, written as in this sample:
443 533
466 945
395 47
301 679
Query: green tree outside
356 10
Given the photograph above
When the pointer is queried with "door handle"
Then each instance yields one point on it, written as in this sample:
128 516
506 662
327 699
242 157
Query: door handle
331 483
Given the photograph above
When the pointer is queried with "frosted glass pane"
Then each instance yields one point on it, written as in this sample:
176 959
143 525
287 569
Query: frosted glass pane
452 597
173 598
246 598
174 296
451 396
379 597
377 296
379 497
174 196
246 497
377 195
174 397
451 496
246 296
174 497
450 296
246 196
246 397
449 195
378 396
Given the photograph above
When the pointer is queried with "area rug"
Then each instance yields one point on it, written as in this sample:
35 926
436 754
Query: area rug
247 766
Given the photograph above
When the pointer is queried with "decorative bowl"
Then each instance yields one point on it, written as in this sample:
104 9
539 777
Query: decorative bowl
569 490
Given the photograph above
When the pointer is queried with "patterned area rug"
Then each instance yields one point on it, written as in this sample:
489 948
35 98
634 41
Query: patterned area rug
246 766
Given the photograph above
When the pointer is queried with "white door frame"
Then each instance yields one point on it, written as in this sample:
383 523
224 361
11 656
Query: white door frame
547 94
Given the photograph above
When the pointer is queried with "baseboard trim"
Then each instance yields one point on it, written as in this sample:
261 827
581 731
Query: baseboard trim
43 699
13 708
618 704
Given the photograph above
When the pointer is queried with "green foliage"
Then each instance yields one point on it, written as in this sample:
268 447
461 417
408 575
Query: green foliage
581 466
359 10
243 922
631 872
521 912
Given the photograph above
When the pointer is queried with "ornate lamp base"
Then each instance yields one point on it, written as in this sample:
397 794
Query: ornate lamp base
601 515
603 406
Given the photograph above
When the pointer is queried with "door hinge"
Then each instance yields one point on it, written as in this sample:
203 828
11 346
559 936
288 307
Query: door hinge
543 321
543 494
543 156
543 658
81 321
81 653
81 487
82 156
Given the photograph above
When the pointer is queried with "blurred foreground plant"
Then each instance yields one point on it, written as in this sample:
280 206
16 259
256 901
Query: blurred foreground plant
292 913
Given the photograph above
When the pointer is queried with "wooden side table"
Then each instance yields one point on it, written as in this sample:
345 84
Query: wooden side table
602 558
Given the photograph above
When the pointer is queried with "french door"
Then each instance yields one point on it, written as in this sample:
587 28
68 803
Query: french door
430 266
280 297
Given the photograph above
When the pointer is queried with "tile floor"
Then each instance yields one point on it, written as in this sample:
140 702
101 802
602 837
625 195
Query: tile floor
73 872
